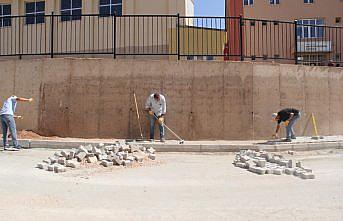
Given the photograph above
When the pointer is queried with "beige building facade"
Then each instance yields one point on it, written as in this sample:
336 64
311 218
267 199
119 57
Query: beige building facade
86 26
315 46
183 7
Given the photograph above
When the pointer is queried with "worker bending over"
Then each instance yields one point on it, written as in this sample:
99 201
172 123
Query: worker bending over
156 107
289 116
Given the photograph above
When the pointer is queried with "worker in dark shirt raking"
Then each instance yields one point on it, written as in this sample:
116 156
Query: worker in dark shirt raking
289 116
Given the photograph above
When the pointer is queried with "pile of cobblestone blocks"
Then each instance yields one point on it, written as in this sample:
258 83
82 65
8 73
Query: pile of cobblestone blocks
117 154
262 162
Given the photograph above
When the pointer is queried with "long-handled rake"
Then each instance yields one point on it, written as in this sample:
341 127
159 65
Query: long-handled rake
181 141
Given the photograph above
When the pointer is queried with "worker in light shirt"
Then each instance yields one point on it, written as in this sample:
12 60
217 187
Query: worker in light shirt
7 116
156 107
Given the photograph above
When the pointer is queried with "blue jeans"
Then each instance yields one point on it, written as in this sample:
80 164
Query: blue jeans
152 121
289 128
7 122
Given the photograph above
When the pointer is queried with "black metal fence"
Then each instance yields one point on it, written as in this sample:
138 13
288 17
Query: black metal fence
182 37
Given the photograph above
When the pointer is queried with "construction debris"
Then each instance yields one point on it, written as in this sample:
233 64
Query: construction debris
117 154
262 162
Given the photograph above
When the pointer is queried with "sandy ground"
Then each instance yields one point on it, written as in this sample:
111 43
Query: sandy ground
181 187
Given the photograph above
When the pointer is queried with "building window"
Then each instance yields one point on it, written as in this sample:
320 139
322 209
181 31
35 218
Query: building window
274 2
110 7
307 28
5 12
71 10
308 1
248 2
35 12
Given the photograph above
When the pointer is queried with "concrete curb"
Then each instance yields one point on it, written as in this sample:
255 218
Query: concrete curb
167 147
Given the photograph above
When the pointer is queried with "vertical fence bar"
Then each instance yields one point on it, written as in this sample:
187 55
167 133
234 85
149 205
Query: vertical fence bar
178 36
114 36
19 40
241 23
295 42
52 36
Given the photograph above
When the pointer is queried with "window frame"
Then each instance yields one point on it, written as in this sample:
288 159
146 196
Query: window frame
71 16
34 13
248 2
4 17
110 5
308 31
274 2
308 1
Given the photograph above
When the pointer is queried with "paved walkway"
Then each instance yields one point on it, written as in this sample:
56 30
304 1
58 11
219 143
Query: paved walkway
301 143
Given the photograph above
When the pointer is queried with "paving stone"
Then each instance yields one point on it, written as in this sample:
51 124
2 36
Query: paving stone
72 163
96 151
117 161
71 155
81 155
81 148
57 154
64 153
244 159
298 171
269 171
127 163
92 159
62 161
289 171
277 171
151 150
241 165
261 163
47 161
53 160
59 169
131 158
133 148
125 155
138 156
290 164
50 167
103 157
307 175
106 163
257 170
42 166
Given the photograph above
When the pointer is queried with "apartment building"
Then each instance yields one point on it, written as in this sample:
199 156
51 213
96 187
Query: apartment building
315 45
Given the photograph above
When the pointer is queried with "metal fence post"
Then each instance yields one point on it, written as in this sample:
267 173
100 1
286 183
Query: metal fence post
295 41
52 36
241 24
114 36
178 36
19 40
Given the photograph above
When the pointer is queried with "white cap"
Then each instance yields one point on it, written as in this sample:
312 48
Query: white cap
274 115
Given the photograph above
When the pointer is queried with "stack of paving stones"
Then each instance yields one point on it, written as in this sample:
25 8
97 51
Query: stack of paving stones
263 162
118 154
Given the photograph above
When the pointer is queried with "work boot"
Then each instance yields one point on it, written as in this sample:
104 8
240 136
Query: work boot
17 148
288 140
293 138
163 140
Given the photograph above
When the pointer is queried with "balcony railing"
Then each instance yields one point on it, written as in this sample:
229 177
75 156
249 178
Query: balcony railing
171 36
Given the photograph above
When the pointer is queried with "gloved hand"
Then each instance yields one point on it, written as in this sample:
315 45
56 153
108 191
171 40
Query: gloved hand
161 120
286 123
151 113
